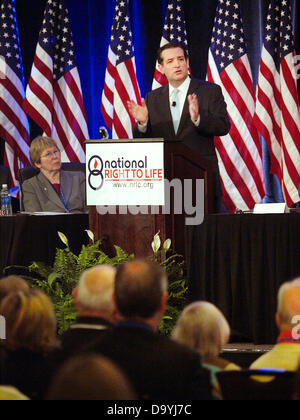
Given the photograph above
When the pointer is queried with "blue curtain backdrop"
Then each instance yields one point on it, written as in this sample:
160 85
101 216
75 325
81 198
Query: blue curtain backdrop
91 22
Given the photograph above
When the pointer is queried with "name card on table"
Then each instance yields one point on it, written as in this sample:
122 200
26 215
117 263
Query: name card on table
271 208
125 173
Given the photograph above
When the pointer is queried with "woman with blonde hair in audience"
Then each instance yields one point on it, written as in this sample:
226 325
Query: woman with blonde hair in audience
203 328
30 340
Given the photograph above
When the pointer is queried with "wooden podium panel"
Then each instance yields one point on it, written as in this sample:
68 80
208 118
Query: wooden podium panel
135 233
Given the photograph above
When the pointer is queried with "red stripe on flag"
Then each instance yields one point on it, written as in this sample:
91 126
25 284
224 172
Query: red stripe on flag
119 128
14 119
241 105
108 120
76 92
64 140
131 70
68 114
14 145
12 90
43 69
234 175
160 78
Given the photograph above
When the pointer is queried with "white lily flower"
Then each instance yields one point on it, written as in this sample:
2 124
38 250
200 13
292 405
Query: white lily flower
91 235
63 238
167 245
156 243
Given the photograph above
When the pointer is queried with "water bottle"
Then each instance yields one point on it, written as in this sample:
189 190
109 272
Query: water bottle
6 208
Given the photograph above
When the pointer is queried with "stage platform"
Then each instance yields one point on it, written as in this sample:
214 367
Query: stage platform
244 354
238 262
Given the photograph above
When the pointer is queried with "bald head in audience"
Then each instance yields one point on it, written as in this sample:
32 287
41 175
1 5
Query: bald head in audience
12 284
94 295
288 305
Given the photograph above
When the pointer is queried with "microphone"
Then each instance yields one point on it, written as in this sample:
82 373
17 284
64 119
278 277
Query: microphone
104 135
174 104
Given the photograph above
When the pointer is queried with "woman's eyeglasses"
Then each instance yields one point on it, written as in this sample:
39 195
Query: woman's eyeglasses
50 154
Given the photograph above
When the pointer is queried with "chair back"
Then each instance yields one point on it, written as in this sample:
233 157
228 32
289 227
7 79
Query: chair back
4 176
30 172
246 385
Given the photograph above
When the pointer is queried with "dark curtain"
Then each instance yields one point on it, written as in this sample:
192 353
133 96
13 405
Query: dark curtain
91 24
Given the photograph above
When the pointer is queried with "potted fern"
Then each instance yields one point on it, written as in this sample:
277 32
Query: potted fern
59 280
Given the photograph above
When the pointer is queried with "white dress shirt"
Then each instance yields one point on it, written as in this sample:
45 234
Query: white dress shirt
181 98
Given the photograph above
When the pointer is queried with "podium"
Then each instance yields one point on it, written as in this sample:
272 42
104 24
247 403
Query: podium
134 233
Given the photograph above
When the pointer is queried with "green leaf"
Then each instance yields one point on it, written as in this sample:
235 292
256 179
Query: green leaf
59 280
63 238
52 278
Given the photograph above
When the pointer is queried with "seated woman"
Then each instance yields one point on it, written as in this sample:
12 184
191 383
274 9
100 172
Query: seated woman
53 189
203 328
26 354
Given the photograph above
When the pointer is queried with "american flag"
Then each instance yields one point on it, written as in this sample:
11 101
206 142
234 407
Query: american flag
53 95
121 83
174 31
239 153
277 106
13 121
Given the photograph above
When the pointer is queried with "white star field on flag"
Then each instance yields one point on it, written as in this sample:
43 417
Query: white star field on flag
228 41
54 95
174 28
9 47
174 31
279 38
121 38
56 39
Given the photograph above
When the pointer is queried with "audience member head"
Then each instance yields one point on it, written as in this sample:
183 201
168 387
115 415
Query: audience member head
141 292
90 378
288 305
203 328
30 322
94 294
12 284
41 151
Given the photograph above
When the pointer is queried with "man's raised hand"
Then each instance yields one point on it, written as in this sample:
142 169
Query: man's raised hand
193 107
139 113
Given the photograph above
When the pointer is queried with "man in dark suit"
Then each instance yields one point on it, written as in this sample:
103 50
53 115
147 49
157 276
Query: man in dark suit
158 368
186 109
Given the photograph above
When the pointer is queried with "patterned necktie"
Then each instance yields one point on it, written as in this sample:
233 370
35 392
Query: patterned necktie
175 109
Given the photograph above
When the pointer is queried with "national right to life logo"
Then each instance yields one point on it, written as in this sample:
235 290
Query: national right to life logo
96 179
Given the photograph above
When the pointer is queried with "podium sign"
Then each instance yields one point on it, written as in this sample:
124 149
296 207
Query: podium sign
123 173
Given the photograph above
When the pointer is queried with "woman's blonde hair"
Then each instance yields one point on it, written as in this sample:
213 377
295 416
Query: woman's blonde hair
38 146
203 328
30 321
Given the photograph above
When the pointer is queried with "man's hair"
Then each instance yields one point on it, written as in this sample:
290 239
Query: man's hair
96 288
90 378
140 285
289 301
170 46
203 328
12 284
